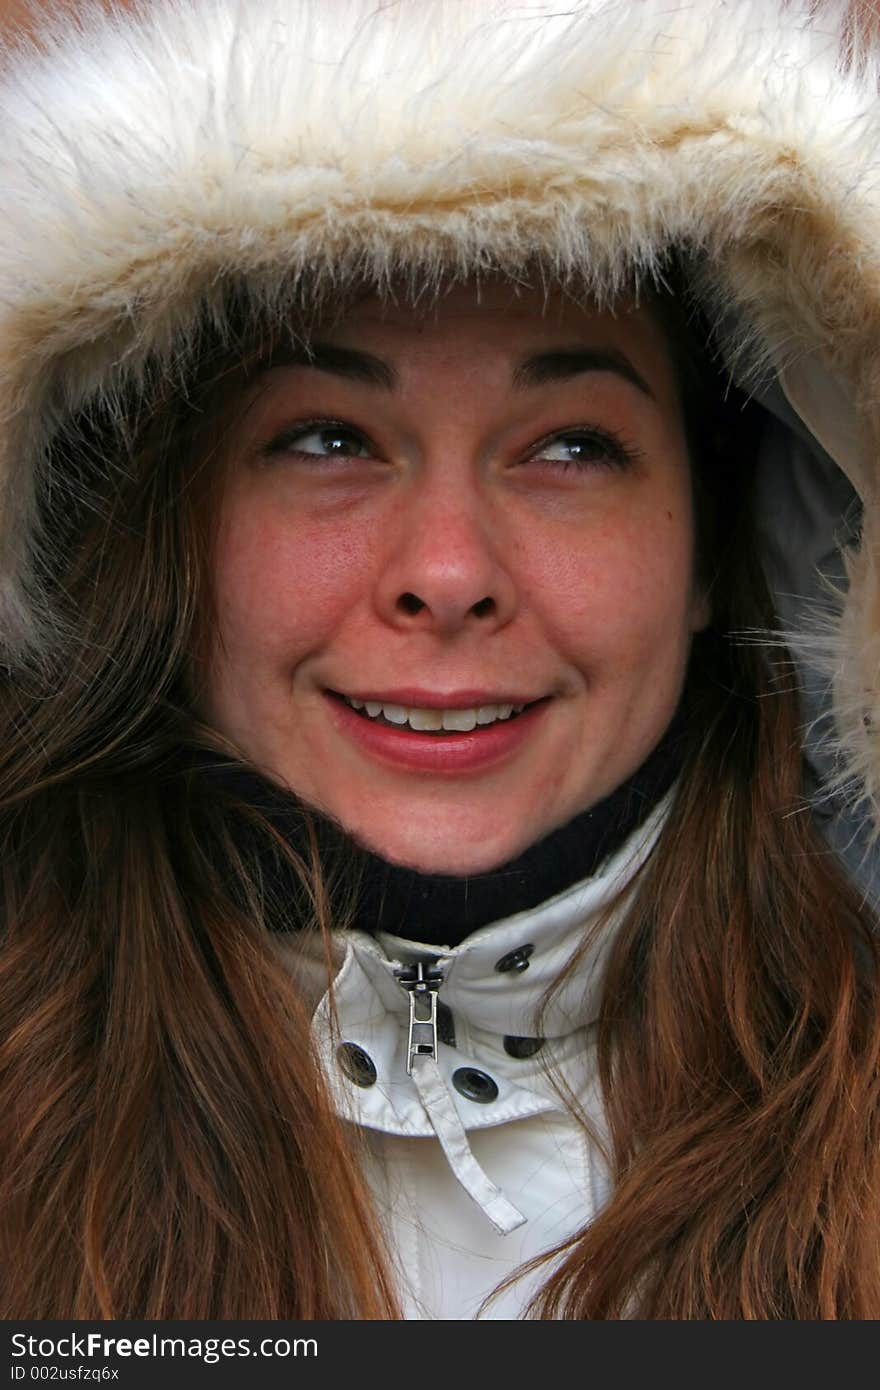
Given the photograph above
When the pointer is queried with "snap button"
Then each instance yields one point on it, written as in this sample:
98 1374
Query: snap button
515 960
474 1085
358 1065
522 1047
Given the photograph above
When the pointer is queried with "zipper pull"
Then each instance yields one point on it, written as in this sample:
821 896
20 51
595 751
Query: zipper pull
422 982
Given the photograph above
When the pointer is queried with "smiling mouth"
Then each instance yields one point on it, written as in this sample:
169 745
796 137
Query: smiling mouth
435 721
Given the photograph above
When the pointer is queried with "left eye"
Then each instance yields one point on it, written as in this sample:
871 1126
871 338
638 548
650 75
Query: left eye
329 441
585 449
319 440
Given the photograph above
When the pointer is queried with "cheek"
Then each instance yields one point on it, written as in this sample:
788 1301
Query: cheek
284 589
617 597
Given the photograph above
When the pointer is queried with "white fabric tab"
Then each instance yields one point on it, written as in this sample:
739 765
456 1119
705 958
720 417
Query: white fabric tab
449 1130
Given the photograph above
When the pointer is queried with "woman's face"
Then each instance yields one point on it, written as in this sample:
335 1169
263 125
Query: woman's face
443 518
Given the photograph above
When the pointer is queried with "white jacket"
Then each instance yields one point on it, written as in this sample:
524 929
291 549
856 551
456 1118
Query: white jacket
150 160
475 1162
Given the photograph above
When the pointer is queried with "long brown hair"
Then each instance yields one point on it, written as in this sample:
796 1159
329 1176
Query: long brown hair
168 1147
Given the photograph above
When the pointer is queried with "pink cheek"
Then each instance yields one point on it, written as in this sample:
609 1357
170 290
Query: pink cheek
613 593
284 586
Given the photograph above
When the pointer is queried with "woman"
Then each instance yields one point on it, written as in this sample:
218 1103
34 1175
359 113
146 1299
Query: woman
417 900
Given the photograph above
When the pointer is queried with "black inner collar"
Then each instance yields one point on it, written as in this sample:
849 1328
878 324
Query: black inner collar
442 909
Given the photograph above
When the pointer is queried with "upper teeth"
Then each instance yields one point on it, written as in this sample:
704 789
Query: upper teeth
460 720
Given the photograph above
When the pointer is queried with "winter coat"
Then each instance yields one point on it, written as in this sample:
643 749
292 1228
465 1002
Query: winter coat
148 161
474 1159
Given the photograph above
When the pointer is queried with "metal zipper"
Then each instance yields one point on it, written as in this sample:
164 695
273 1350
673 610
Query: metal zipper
422 981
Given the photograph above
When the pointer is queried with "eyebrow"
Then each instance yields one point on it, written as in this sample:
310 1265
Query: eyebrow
338 361
564 363
537 370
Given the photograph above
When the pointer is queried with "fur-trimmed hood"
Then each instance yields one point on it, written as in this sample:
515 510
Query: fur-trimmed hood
152 158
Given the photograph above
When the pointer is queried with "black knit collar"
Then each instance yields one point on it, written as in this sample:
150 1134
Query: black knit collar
442 909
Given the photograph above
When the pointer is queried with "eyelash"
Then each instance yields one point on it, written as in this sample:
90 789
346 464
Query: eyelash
615 452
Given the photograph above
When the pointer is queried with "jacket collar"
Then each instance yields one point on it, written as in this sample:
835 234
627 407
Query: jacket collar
491 988
496 978
367 1007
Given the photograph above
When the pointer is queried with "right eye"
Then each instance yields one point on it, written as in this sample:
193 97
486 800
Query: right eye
321 440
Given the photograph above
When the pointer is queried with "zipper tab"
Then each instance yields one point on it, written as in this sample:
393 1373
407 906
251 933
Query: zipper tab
422 982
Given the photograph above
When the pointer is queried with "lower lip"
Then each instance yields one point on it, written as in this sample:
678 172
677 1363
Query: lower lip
402 747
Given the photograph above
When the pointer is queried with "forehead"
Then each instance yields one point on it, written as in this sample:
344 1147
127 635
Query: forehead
494 322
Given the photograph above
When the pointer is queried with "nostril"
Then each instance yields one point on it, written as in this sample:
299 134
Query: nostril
410 603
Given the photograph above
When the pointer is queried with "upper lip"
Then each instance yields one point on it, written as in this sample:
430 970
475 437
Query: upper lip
414 698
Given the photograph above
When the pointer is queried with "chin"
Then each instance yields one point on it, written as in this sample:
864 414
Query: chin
437 859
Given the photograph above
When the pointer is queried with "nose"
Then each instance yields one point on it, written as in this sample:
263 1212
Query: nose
444 565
